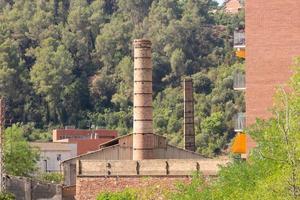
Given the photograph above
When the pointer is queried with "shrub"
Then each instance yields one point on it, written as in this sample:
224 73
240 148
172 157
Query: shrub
127 194
51 177
7 196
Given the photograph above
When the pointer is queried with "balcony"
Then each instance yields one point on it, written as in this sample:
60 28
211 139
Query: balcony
239 39
239 82
240 122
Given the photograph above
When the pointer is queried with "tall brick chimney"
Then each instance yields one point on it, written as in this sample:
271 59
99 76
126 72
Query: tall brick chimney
143 139
189 130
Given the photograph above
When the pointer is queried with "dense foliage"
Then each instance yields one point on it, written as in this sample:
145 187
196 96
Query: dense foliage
7 196
70 63
52 177
19 157
127 194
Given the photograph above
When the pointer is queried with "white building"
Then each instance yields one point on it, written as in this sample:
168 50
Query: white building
52 154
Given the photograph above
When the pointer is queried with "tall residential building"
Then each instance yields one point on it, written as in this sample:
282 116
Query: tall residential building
272 42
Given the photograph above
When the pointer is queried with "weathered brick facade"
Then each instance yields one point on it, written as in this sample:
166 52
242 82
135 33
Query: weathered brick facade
88 188
272 41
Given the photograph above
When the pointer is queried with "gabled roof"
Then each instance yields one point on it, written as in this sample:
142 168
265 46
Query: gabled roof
85 154
115 143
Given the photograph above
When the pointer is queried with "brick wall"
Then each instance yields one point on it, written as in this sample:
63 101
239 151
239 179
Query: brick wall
86 140
272 41
79 134
95 176
87 188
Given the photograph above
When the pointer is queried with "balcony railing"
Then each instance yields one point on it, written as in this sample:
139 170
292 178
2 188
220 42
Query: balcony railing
239 39
240 122
239 82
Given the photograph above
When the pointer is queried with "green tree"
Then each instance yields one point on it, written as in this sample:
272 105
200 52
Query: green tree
213 135
19 158
51 75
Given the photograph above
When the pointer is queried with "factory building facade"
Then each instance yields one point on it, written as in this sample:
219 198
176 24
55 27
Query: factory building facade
127 160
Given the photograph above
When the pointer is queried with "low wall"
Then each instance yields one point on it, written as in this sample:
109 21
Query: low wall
95 176
28 189
159 167
87 188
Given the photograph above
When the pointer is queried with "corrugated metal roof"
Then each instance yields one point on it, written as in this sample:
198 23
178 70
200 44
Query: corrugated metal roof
115 142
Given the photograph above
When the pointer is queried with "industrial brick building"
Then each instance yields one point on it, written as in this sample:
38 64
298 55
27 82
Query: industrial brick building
126 161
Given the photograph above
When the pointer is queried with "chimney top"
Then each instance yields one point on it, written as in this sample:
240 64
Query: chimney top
142 43
188 79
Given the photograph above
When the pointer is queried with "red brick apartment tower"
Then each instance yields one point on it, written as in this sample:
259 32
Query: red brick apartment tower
272 41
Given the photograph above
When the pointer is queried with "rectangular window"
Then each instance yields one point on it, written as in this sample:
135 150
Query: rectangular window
58 157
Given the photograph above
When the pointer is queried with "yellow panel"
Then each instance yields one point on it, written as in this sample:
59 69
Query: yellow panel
239 144
240 53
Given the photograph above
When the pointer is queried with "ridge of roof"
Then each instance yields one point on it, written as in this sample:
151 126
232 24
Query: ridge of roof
103 147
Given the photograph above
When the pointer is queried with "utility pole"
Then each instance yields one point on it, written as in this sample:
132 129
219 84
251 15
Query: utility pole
2 126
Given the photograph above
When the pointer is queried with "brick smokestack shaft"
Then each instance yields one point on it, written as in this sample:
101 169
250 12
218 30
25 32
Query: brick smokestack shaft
189 130
143 139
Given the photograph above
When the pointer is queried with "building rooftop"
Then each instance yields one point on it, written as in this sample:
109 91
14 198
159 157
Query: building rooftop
50 146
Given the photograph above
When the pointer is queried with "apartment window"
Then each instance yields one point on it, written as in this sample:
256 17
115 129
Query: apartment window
58 157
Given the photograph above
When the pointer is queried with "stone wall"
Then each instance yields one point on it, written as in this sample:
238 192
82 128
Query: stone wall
87 188
28 189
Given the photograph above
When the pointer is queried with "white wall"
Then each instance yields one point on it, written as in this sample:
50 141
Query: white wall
50 157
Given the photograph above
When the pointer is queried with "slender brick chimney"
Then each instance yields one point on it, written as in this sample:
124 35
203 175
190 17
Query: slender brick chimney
143 139
189 130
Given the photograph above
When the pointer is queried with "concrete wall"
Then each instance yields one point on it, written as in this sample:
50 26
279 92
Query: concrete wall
27 189
49 160
272 41
160 167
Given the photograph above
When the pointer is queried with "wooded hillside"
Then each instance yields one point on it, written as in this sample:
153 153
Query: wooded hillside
66 62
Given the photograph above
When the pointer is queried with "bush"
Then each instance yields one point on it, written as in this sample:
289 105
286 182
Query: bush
6 196
127 194
51 177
